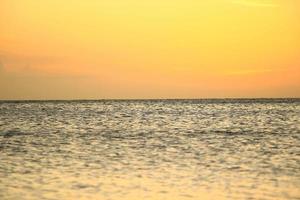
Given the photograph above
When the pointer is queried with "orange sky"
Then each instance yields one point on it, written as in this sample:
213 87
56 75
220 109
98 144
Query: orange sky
93 49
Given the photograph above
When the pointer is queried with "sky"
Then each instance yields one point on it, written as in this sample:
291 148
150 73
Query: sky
124 49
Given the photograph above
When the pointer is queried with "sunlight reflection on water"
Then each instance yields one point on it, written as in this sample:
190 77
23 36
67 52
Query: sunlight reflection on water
164 149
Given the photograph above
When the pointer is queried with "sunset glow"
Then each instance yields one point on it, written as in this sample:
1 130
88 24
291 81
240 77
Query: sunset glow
94 49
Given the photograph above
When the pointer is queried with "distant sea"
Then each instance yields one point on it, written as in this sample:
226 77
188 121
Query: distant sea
150 149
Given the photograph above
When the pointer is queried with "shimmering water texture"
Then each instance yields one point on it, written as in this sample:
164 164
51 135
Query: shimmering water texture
163 149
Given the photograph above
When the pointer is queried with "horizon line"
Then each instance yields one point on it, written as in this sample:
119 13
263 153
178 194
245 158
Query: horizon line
156 99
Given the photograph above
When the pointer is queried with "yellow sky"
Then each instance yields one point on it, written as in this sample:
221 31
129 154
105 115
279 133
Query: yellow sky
63 49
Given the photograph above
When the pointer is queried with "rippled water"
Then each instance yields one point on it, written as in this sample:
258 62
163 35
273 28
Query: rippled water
163 149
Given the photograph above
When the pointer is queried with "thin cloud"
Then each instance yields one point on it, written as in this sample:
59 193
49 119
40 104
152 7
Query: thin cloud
254 3
21 60
252 72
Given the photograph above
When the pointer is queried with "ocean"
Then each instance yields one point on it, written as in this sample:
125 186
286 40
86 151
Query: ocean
150 149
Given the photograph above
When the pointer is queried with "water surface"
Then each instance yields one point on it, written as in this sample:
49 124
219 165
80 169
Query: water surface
150 149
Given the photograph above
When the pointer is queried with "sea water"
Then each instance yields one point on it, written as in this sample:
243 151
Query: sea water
150 149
